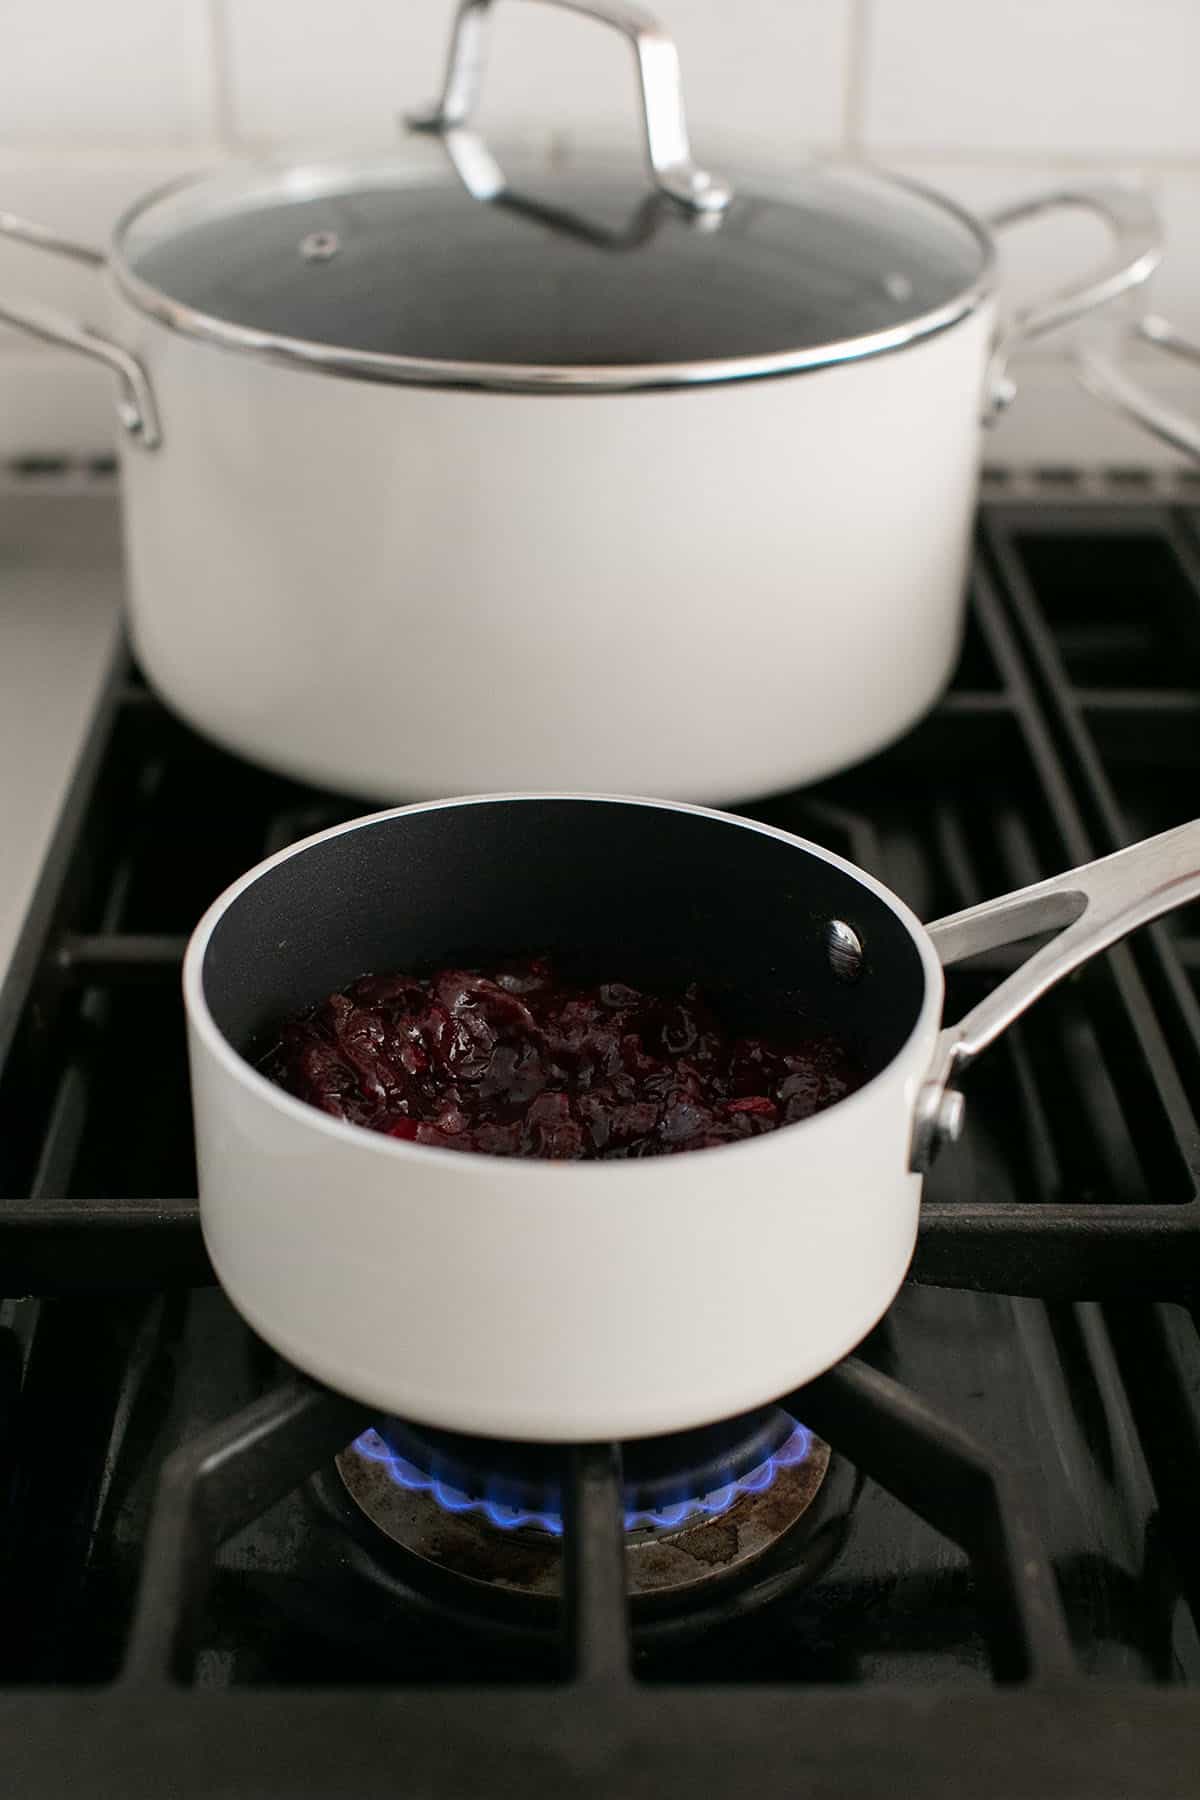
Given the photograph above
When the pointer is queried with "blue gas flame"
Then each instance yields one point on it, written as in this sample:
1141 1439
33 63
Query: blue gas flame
792 1451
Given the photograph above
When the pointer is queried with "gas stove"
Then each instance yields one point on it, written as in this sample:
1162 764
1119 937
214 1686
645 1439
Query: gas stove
964 1561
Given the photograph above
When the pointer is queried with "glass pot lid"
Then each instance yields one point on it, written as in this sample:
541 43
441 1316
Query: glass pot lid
441 261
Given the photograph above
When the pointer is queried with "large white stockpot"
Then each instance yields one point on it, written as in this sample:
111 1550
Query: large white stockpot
440 476
588 1300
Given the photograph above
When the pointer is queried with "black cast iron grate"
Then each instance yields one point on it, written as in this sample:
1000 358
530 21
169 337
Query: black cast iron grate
1073 726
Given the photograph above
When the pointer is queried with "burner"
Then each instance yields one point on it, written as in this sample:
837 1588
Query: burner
700 1505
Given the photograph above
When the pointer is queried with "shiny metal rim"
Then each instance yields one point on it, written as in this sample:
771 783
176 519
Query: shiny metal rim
366 365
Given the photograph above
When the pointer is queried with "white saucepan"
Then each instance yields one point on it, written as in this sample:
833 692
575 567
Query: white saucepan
442 476
560 1301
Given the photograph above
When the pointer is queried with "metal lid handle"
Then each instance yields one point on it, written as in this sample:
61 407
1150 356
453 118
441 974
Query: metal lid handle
1090 908
667 143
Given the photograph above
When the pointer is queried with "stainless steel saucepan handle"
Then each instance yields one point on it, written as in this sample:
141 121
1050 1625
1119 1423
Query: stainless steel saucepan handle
1102 376
667 145
135 400
1090 909
1134 254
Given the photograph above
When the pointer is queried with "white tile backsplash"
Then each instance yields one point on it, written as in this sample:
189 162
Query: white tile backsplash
765 79
51 403
99 102
1051 77
82 198
341 70
103 72
768 75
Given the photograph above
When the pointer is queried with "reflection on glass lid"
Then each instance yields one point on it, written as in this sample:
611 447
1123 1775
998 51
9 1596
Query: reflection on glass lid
583 269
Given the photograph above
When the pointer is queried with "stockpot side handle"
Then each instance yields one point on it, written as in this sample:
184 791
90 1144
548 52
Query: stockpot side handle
667 145
1090 909
1107 381
135 399
1134 254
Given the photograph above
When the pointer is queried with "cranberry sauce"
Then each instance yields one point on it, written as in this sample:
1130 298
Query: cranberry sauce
520 1062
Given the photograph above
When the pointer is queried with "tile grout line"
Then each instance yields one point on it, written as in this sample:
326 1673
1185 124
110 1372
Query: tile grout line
855 97
1001 156
68 156
218 49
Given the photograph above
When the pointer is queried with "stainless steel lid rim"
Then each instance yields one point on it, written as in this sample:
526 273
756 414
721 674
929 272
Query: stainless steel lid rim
331 358
512 378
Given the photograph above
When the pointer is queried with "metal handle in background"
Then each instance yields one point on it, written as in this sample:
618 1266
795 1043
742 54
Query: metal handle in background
667 144
1135 254
1090 908
1103 377
485 181
135 400
28 231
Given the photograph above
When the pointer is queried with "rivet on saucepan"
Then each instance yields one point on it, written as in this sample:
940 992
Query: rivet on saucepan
951 1116
844 948
319 246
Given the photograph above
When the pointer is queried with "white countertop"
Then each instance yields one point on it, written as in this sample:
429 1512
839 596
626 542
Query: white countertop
60 587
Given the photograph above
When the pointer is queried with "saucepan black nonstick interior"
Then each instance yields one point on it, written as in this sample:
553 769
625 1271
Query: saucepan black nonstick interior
632 890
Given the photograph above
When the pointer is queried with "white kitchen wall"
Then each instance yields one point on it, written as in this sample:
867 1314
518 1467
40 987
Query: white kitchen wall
101 99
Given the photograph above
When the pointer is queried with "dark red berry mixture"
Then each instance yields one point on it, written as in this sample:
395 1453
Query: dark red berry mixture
523 1063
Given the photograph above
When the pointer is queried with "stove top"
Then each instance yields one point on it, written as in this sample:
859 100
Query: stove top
980 1570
